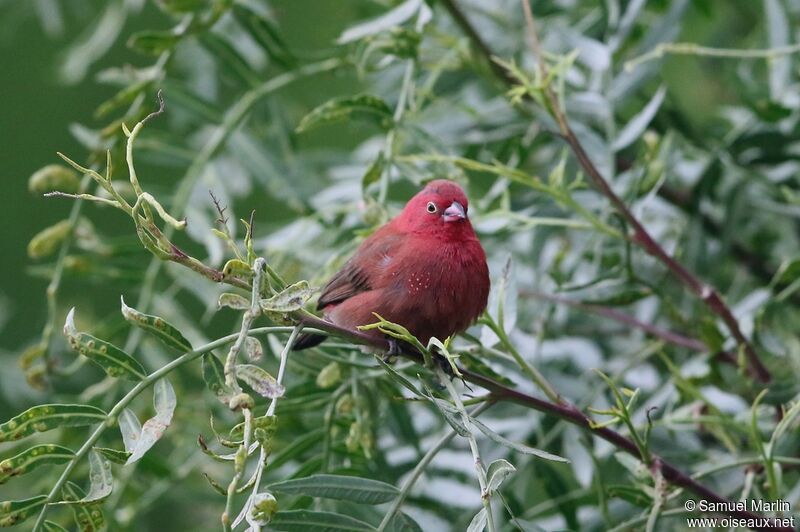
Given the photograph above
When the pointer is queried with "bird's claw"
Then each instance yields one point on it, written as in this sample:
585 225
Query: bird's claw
393 352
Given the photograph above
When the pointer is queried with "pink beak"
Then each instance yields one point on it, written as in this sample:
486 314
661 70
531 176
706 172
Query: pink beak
454 213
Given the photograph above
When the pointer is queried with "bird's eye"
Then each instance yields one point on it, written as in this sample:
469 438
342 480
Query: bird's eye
431 207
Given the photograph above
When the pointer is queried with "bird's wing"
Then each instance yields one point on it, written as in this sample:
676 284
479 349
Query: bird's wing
363 270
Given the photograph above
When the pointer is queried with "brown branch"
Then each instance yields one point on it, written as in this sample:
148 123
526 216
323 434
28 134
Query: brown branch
706 293
564 410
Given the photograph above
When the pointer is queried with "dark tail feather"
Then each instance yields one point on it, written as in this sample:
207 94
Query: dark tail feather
304 341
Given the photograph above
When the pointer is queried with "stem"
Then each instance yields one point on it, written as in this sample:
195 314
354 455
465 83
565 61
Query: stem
388 148
563 410
689 48
247 321
111 417
412 478
705 293
532 372
282 367
486 496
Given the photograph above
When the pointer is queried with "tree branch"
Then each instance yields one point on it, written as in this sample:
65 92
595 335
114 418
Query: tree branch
706 293
565 410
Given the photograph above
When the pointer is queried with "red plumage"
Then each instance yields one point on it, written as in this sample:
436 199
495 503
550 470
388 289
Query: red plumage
425 269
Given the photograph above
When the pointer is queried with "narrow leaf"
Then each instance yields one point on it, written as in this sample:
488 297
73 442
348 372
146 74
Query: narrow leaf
634 129
253 349
311 521
519 447
114 361
131 428
113 455
292 298
50 526
234 301
340 487
361 106
259 380
214 377
497 473
14 512
32 458
156 326
47 417
391 18
88 517
152 430
478 522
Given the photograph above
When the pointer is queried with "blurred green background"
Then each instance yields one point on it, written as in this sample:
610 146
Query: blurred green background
43 111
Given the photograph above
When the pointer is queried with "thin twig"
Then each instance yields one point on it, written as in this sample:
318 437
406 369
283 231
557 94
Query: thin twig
412 477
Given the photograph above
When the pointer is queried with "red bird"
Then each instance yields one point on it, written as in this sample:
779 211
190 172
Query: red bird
425 270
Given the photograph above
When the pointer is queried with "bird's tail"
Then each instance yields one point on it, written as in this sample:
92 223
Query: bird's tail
306 340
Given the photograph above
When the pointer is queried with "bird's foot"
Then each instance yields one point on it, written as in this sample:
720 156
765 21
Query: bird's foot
394 351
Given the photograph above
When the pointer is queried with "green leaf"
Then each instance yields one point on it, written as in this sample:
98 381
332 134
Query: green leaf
47 417
234 301
266 34
114 361
497 473
156 326
403 523
48 240
50 526
450 415
253 349
32 458
219 488
113 455
184 6
519 447
292 298
340 487
388 20
89 517
374 172
478 522
54 177
153 42
126 96
310 521
231 63
398 377
361 107
626 297
100 479
259 380
15 512
130 428
635 128
164 402
214 377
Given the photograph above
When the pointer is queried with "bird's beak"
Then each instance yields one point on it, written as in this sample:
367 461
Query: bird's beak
454 213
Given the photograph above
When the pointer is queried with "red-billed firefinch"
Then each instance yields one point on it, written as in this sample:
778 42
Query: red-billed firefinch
425 269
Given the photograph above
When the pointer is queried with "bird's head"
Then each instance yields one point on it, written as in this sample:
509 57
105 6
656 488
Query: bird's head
440 207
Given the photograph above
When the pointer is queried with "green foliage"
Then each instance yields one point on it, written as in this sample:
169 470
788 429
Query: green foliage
685 110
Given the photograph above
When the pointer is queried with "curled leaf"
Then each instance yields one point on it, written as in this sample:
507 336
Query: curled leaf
47 417
164 402
32 458
234 301
292 298
156 326
114 361
259 380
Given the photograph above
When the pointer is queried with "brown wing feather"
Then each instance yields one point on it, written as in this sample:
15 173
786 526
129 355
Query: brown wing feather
363 271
